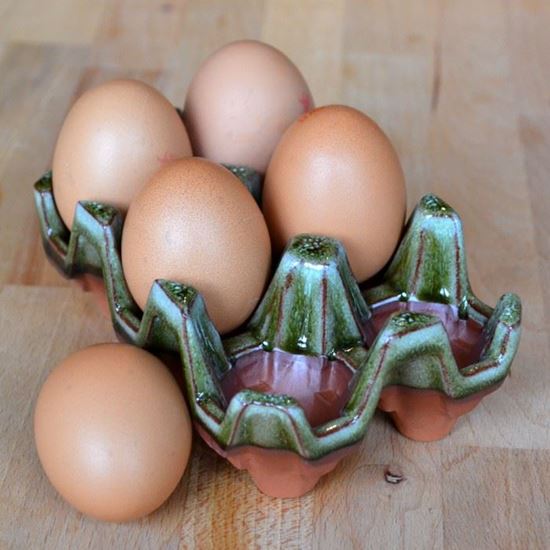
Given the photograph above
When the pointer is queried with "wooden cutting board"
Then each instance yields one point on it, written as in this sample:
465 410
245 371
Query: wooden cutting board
488 482
463 90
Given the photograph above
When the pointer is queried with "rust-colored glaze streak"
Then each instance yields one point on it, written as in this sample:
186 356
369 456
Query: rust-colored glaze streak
457 260
419 261
280 316
372 382
324 311
235 426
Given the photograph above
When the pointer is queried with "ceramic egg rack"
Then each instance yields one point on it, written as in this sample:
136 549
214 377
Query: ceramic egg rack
419 346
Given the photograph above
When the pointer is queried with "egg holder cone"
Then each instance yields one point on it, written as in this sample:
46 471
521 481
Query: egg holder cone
419 346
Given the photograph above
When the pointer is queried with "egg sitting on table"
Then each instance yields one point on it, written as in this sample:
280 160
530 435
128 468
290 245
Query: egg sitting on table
112 431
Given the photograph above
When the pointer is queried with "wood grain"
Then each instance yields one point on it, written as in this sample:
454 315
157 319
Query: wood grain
61 21
463 90
38 85
507 507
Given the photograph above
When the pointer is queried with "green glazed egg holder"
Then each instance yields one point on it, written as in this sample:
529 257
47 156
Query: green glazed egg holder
315 317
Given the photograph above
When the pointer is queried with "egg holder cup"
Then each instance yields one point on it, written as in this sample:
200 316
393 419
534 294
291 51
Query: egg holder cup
293 394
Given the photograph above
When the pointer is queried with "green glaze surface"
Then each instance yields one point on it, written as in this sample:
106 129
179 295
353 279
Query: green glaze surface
251 179
313 306
430 262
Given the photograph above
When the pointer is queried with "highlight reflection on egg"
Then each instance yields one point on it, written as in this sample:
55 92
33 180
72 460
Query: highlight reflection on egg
196 223
335 173
112 431
115 137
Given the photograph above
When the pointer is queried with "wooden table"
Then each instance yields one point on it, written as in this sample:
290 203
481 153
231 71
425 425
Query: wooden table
463 90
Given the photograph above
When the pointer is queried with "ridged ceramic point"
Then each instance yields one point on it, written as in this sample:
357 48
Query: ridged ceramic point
104 214
313 304
430 262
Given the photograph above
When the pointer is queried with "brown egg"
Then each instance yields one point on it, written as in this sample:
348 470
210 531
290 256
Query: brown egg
196 223
241 100
115 137
112 431
335 173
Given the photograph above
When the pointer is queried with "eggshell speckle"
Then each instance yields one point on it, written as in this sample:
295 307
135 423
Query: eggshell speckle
241 100
113 140
197 224
112 431
336 173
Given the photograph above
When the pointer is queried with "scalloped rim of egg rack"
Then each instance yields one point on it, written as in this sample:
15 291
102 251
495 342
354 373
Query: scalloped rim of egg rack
411 351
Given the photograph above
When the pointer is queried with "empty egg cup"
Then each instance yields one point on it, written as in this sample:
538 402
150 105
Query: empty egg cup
293 393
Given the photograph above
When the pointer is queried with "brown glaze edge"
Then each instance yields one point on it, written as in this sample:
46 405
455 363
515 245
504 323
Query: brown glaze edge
426 414
275 472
